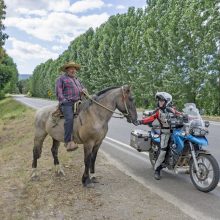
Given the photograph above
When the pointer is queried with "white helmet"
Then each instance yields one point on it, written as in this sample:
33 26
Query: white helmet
164 96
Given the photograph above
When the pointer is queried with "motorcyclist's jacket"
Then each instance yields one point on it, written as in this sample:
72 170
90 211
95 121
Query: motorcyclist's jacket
162 115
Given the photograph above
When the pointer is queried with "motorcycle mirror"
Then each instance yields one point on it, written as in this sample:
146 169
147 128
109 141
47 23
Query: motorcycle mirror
146 102
207 123
201 111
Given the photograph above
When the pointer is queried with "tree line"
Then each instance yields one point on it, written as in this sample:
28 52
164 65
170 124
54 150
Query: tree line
8 69
171 45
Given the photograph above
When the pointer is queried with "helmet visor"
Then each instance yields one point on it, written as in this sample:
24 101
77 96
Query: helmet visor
160 98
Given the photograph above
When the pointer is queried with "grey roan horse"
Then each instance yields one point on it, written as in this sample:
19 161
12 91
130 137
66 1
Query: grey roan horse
90 127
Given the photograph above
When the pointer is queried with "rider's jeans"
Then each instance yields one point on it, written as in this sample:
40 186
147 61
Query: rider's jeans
164 138
67 109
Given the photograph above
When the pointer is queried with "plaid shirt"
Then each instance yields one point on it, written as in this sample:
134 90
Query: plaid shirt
68 89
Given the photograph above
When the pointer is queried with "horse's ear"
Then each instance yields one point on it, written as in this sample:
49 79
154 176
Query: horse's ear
127 89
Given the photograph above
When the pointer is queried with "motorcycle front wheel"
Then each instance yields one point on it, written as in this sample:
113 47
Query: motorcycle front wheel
208 176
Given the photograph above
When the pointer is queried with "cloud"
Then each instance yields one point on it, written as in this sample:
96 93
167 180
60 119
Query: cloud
58 5
120 7
48 5
57 48
27 55
109 5
25 11
54 5
56 26
55 20
24 51
85 5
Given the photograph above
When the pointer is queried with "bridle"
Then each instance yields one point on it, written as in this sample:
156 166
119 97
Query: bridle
122 115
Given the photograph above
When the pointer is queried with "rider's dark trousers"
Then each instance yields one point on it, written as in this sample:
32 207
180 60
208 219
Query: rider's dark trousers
67 109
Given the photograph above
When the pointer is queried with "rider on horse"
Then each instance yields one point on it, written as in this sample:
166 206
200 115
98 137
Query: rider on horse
68 91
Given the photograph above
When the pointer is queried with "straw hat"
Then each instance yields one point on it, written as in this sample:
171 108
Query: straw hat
69 64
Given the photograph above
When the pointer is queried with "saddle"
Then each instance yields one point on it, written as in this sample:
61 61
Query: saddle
58 114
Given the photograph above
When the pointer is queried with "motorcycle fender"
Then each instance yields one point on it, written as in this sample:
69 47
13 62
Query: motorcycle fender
198 152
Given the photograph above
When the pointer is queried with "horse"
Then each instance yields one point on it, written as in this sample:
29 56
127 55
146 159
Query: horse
89 129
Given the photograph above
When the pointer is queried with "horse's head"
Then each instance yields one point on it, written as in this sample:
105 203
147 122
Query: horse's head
126 104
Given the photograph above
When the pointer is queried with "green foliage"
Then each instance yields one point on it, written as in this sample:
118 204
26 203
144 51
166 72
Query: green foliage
11 109
8 74
3 36
23 86
8 70
171 46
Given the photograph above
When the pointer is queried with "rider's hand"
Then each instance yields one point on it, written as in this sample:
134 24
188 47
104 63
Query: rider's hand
83 92
138 122
185 118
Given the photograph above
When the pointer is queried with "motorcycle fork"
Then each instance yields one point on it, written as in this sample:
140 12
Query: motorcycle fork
194 156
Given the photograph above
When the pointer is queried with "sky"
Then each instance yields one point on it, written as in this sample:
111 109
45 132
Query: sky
42 29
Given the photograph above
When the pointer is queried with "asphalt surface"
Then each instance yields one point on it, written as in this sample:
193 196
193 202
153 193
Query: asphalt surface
175 188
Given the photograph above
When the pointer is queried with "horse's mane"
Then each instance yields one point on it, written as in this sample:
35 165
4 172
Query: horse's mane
106 90
96 97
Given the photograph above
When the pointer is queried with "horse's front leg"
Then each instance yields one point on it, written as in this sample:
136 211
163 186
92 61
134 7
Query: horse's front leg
87 161
93 159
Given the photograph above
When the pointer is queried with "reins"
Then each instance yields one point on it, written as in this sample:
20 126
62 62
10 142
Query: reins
118 113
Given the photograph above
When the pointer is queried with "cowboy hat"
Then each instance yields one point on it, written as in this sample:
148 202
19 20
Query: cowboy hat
69 64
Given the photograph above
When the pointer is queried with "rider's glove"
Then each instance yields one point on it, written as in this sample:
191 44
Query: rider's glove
138 122
185 118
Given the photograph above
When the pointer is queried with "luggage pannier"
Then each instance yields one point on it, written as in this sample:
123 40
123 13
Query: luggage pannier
140 140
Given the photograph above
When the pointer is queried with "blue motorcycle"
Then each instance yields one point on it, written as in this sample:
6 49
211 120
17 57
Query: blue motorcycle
186 148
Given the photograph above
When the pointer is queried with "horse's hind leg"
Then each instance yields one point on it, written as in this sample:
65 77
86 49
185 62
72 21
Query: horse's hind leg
58 169
38 143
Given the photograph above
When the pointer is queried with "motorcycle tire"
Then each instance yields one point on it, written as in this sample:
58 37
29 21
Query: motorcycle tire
199 180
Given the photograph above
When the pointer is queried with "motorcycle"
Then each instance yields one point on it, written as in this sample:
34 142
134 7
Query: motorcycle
186 147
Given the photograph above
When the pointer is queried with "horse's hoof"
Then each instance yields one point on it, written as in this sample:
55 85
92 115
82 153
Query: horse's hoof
94 180
34 175
59 171
89 185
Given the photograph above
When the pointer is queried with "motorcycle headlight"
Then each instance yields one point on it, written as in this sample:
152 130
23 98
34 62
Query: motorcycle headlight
199 131
196 131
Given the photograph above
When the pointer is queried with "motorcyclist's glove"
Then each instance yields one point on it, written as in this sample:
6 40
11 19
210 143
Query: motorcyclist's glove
185 118
138 122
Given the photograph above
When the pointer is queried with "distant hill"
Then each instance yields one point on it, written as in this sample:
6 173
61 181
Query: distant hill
23 76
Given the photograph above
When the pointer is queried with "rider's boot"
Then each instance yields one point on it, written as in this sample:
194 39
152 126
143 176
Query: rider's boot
157 173
71 146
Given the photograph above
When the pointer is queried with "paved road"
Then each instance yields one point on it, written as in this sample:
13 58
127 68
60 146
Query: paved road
176 189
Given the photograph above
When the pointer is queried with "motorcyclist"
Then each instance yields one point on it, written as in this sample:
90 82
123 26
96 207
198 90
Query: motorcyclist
161 113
